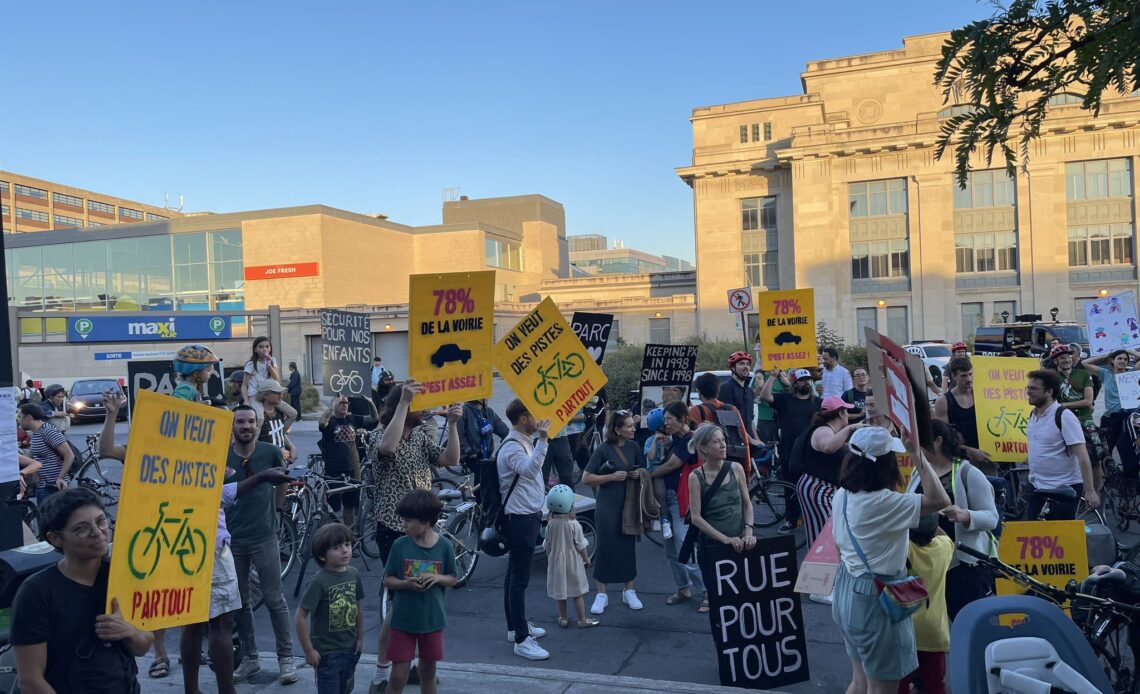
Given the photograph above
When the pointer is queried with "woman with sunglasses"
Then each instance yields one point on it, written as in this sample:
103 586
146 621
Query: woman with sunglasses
616 558
63 640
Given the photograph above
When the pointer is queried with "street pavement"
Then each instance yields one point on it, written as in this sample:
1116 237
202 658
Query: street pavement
662 643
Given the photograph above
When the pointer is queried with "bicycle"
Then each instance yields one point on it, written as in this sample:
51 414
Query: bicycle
351 380
189 545
769 505
1103 621
546 392
90 474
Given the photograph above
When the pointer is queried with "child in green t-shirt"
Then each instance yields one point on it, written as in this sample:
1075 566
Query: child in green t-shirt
420 565
335 638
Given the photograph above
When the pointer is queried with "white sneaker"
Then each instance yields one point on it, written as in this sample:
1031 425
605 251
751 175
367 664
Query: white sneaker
530 650
288 670
249 666
656 525
667 531
629 597
600 604
532 631
821 599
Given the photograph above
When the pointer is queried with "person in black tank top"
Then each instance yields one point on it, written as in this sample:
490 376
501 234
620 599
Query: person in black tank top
950 409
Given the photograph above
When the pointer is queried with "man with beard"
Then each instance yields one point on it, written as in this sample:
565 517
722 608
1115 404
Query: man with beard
1057 453
736 390
794 410
956 408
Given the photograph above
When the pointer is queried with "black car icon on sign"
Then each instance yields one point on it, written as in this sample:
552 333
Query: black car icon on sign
449 353
787 337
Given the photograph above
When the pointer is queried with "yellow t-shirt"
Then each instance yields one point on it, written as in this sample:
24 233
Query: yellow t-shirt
931 624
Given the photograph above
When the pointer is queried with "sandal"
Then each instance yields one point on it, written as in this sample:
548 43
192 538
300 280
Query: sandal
159 668
678 598
589 623
704 608
563 622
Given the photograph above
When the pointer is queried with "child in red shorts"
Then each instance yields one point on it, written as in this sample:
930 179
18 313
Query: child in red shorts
420 566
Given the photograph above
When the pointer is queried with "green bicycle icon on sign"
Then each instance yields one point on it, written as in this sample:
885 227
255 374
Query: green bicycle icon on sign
572 366
1000 424
189 545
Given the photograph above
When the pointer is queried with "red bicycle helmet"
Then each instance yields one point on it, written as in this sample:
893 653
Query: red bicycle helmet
957 346
738 357
1059 350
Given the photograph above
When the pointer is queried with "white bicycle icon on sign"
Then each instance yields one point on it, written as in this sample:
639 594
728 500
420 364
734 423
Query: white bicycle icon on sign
351 381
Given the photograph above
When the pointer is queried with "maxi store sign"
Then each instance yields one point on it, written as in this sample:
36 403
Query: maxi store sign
547 366
157 328
165 530
451 332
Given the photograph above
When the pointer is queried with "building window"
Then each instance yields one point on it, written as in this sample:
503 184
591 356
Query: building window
503 254
767 131
993 188
995 252
62 221
1093 180
1105 244
5 210
128 213
755 132
152 217
877 198
758 213
93 223
30 192
100 207
972 318
3 186
865 318
957 110
1065 98
898 326
659 331
880 259
1007 307
31 215
760 242
61 199
743 134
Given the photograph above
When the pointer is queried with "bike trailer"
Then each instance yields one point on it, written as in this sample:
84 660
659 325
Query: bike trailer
1030 665
977 627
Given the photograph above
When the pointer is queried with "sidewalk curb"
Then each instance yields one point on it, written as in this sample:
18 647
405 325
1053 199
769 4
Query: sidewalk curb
591 678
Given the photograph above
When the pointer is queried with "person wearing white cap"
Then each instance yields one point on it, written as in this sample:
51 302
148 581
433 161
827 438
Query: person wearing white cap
794 409
823 456
871 527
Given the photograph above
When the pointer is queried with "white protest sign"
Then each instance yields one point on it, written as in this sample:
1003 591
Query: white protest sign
1128 385
1112 323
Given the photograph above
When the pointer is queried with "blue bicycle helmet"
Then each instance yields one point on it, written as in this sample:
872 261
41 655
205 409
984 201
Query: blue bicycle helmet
560 499
193 358
655 419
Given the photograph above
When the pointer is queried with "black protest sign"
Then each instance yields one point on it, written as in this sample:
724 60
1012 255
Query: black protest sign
593 329
757 623
159 377
346 352
666 374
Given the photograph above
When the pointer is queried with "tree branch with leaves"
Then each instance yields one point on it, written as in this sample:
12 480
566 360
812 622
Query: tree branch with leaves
1009 66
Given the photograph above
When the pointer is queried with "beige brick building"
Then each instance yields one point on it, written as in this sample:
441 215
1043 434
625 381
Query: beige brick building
838 189
31 204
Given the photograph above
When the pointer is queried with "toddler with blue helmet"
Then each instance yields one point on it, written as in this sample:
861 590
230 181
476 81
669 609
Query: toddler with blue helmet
566 557
657 449
194 365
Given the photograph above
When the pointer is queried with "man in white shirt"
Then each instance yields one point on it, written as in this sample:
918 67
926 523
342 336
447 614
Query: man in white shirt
836 377
1057 454
524 494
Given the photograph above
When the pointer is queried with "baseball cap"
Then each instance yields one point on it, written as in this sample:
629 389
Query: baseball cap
872 442
800 373
834 402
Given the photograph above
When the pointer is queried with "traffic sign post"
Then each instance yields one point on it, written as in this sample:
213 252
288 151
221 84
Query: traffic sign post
739 302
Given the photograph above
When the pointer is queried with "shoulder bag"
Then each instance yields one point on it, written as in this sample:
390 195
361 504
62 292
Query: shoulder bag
686 553
899 598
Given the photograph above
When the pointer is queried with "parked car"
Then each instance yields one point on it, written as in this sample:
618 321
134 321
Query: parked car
87 399
695 399
935 356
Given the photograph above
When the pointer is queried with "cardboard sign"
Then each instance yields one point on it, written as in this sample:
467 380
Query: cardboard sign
593 329
1053 552
1128 385
547 366
817 572
757 623
893 371
666 375
1001 407
787 329
451 330
159 377
346 352
167 521
1112 323
9 462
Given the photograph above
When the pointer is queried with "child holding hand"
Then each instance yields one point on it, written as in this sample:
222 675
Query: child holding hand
566 557
420 566
335 638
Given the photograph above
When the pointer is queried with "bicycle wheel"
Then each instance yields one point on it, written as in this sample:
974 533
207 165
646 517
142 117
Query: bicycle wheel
461 532
590 533
287 540
366 522
769 504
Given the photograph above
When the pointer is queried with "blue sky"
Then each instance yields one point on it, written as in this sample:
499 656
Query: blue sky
379 106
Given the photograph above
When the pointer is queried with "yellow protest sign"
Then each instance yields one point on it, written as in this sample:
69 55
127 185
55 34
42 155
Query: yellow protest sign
787 329
451 322
1053 552
1001 407
547 366
167 521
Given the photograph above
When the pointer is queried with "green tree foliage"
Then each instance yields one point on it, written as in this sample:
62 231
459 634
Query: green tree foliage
1007 68
622 364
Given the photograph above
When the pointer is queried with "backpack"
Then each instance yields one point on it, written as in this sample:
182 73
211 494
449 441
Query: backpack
997 487
1094 444
489 497
728 419
797 459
